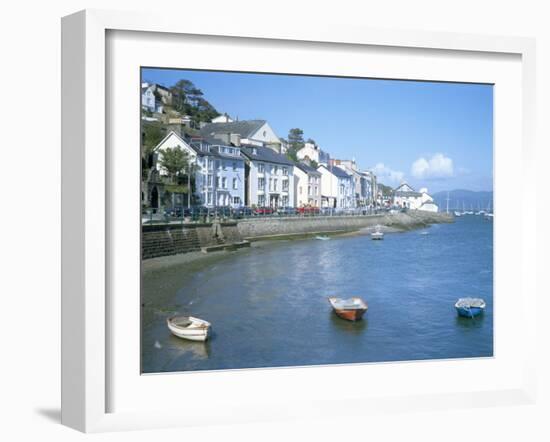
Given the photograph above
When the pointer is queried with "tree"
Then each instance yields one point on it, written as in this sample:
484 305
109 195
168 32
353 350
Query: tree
175 162
184 93
295 142
152 135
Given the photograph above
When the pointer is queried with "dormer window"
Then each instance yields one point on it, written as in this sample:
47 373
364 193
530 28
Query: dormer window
254 151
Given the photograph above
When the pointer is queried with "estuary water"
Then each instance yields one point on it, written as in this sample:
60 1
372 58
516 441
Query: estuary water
268 304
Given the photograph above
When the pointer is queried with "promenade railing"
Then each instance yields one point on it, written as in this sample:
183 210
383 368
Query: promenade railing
206 215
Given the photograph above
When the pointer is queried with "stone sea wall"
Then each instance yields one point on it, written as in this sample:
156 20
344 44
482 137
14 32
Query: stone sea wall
271 227
173 239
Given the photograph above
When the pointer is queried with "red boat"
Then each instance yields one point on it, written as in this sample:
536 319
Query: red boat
351 309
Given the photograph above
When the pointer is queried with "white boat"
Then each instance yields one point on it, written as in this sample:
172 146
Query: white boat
188 327
322 238
377 234
457 213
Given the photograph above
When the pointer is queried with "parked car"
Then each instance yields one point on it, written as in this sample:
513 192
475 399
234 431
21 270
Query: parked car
307 210
263 211
286 211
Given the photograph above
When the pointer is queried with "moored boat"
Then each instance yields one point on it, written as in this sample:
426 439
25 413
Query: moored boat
470 307
322 238
189 327
351 309
377 234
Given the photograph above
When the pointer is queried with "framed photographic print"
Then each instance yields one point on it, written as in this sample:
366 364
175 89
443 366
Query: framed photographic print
252 217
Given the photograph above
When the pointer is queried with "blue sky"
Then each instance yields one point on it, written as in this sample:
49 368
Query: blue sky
435 135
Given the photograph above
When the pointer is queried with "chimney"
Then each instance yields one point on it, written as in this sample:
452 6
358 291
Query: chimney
235 139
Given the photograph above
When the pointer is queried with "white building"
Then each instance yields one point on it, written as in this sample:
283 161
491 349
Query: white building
269 178
307 186
224 118
220 173
337 188
312 152
251 132
154 97
405 196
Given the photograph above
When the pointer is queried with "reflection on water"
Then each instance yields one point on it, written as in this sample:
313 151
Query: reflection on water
268 305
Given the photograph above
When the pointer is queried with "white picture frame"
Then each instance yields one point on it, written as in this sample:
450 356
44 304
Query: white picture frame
86 216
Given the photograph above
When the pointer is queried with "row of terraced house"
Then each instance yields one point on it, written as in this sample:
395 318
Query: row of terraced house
244 163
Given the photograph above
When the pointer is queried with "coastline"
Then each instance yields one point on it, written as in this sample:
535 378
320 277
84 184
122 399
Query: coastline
389 223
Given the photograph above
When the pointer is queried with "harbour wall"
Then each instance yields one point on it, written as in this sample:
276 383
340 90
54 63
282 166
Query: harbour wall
255 229
172 239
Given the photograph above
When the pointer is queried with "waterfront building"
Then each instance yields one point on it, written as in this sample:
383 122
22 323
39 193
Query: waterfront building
219 169
154 97
337 187
312 152
405 196
269 177
307 186
362 181
249 132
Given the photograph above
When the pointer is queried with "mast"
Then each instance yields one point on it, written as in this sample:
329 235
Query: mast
447 201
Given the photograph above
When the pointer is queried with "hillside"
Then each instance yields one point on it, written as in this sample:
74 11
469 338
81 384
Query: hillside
460 198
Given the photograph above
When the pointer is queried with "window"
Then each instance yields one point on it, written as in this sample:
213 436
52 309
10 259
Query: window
209 181
285 185
261 200
234 183
275 184
217 181
210 164
285 201
236 200
223 165
234 167
261 168
261 183
309 190
275 170
285 171
209 198
224 182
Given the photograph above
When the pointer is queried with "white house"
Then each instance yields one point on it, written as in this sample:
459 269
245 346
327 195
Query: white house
337 187
269 178
224 118
307 186
405 196
154 97
251 132
220 173
312 152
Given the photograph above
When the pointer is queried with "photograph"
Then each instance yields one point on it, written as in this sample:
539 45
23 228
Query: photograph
304 220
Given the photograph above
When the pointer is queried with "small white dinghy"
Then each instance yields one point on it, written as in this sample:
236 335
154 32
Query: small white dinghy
377 234
188 327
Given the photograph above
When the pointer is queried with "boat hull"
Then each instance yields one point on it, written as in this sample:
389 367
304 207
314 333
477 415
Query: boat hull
351 309
197 333
470 312
350 315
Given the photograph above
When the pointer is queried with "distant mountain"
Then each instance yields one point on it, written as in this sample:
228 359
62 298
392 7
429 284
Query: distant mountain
460 198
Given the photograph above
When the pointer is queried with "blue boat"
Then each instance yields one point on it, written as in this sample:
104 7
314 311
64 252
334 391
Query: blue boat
470 307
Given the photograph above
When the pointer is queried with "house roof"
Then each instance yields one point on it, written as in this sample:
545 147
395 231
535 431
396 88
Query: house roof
307 169
265 154
244 128
335 170
407 194
404 185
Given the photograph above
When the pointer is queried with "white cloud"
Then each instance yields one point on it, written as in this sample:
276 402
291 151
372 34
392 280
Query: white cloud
438 166
385 173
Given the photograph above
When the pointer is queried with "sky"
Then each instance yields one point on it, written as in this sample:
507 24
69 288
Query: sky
429 134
